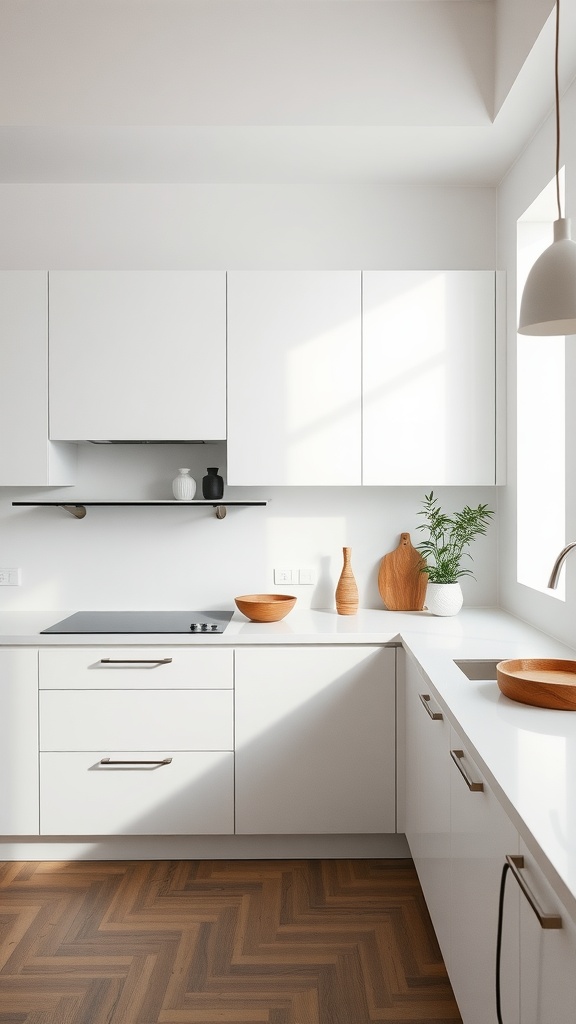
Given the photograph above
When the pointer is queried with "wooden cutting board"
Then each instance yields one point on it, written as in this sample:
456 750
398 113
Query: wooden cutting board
401 584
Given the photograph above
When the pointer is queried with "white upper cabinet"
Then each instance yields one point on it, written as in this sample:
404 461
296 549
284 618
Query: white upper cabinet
400 392
137 355
429 392
27 458
294 378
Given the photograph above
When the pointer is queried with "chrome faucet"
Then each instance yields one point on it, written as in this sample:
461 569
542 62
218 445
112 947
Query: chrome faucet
554 575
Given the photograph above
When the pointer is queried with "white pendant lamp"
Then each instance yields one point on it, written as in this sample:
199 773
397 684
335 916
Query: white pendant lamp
548 304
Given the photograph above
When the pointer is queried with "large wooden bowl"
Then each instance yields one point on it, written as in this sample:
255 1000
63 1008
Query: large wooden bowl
265 607
543 682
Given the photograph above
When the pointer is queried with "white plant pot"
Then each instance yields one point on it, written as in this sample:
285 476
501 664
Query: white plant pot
444 598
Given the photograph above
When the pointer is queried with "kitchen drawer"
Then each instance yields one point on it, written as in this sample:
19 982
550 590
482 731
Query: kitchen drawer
136 668
146 720
192 795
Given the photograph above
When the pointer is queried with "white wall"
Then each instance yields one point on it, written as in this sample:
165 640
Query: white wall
121 558
523 184
245 227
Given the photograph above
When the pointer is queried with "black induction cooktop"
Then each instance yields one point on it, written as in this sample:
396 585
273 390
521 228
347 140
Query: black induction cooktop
196 622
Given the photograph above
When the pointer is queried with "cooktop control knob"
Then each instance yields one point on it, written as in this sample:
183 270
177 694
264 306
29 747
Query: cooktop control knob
194 626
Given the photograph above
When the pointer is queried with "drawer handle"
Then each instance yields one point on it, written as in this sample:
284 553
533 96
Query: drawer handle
165 760
474 787
516 863
135 661
436 715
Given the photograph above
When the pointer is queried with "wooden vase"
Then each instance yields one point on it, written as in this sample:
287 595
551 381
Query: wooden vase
346 591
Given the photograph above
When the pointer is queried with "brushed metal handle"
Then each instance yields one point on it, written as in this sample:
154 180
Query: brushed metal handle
474 787
516 863
106 760
436 715
135 661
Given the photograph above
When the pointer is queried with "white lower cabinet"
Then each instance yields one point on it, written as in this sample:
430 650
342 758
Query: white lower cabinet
18 742
136 741
548 955
315 740
147 720
427 805
481 837
460 836
136 668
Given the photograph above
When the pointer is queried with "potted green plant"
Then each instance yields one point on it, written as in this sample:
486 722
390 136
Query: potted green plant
449 538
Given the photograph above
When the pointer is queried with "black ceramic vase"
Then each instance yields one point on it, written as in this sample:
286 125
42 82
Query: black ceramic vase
212 484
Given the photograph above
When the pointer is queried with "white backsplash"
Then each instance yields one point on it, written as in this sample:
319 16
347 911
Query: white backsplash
134 557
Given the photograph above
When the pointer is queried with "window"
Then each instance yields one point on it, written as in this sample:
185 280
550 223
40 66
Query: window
541 462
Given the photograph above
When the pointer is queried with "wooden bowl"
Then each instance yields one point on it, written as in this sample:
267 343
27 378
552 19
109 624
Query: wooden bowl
543 682
265 607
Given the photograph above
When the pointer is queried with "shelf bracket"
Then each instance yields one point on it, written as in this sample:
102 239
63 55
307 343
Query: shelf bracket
220 511
78 511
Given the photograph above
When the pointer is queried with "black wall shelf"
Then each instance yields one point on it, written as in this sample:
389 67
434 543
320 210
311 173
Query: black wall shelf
78 508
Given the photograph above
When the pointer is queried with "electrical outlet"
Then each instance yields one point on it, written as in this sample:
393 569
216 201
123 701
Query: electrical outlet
285 576
306 577
10 577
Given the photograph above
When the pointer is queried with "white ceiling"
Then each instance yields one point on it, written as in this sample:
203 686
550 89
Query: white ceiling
442 92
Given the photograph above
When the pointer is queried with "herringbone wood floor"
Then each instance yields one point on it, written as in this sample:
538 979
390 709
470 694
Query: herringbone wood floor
200 942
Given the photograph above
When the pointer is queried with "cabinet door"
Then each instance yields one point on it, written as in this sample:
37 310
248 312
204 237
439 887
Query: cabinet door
137 355
482 835
429 377
294 358
27 458
19 742
427 809
547 956
315 740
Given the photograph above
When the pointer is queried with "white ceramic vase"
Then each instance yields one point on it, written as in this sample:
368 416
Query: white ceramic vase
444 598
184 486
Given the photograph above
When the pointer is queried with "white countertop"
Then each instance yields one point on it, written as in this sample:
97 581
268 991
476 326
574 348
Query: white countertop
369 626
24 628
527 754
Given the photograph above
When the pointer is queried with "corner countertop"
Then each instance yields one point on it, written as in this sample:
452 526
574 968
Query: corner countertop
527 754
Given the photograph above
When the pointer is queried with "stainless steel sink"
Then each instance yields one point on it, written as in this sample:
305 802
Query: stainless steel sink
478 668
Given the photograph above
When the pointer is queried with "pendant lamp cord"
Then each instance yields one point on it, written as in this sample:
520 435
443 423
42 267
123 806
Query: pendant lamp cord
557 98
499 941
